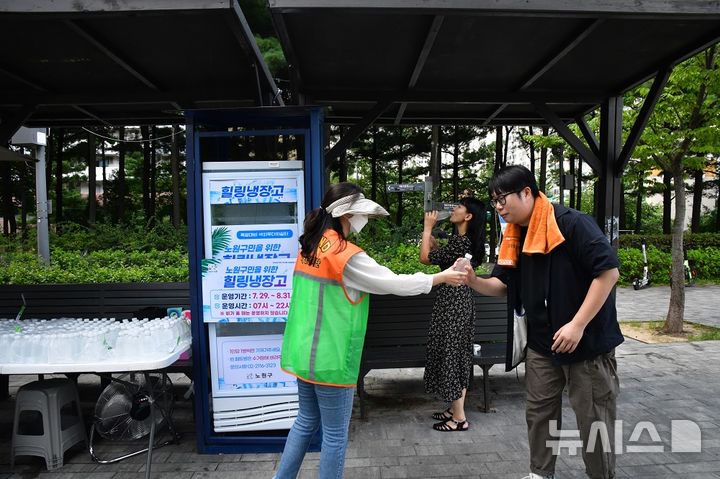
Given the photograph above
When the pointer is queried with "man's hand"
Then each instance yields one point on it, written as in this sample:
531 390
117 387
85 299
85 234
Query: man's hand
567 338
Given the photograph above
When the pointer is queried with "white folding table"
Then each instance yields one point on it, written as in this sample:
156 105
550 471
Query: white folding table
144 366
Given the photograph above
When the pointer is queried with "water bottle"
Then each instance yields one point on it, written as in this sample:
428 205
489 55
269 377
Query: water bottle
460 266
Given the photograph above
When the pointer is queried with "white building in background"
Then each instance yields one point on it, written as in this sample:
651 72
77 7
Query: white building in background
111 163
708 202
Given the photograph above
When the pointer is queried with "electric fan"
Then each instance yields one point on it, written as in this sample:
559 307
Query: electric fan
122 411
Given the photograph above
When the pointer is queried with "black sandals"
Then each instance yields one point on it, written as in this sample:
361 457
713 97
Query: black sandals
444 426
443 416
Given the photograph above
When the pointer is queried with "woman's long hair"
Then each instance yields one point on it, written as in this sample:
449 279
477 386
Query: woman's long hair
476 227
319 220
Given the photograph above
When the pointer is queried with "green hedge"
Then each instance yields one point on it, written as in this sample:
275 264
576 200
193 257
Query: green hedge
106 266
705 261
664 242
73 264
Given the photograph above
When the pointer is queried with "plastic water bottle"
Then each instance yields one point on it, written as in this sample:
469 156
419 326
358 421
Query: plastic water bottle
460 266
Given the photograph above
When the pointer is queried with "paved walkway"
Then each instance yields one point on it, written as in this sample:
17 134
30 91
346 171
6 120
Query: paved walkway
659 384
702 304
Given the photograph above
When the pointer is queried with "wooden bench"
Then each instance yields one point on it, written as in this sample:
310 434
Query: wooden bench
110 300
398 328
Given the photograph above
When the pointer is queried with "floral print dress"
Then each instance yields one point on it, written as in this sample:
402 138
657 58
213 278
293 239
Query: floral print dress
452 327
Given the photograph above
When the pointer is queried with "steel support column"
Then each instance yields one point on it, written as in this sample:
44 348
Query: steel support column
608 191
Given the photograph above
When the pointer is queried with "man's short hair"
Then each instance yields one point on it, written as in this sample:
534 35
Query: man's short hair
512 179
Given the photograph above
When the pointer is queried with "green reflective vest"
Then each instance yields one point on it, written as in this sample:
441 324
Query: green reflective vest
325 330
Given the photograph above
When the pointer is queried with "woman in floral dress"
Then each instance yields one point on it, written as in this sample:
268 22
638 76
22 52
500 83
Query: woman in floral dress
452 326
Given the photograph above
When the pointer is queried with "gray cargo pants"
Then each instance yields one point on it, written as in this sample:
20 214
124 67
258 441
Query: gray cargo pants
592 388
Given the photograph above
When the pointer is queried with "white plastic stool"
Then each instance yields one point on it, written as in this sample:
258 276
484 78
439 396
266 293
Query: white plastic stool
59 426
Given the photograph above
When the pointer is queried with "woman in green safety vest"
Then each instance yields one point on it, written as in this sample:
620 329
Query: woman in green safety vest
325 331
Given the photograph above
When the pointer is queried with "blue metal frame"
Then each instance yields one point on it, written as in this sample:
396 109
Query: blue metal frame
306 121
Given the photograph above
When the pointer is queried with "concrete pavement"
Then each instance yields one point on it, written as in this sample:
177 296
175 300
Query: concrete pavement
659 384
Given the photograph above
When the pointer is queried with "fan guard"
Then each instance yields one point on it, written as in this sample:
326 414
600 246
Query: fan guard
122 411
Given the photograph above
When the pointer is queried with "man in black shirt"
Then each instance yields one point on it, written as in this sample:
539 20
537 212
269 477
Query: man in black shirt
557 266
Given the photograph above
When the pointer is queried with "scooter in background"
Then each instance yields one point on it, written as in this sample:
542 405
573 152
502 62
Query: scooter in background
639 283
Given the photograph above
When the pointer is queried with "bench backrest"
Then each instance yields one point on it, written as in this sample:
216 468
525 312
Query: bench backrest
118 300
403 321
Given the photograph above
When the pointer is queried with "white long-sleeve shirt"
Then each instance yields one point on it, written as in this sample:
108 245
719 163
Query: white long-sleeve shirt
364 274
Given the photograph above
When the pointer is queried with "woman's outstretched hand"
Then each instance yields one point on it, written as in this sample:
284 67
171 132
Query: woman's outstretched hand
450 276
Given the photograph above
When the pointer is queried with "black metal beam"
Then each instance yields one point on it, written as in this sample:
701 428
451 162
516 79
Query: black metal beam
289 51
562 129
642 118
494 114
422 58
87 35
492 97
608 192
588 134
569 46
22 80
356 130
246 39
91 115
671 60
549 63
134 97
527 7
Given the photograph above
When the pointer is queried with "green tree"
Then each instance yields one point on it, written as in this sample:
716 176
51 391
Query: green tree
682 130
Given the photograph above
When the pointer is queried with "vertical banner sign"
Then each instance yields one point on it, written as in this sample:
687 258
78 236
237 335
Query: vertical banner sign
249 277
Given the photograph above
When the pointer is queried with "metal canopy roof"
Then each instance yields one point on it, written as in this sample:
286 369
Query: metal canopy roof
70 62
481 62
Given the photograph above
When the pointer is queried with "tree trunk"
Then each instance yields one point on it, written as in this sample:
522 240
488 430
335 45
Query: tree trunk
456 166
498 148
175 168
667 198
578 186
532 151
22 168
373 166
717 199
342 160
146 172
508 130
153 175
623 215
494 226
676 311
571 159
59 180
698 187
121 185
103 158
401 160
435 159
92 181
543 162
8 209
638 204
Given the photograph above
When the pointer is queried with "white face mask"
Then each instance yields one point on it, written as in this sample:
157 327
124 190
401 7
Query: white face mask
357 222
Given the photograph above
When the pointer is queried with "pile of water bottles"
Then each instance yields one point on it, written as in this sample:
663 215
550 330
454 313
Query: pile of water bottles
85 340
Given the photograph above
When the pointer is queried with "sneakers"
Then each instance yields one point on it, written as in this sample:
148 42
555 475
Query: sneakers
538 476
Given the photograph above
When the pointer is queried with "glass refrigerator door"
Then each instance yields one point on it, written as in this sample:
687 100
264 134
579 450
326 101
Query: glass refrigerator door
252 224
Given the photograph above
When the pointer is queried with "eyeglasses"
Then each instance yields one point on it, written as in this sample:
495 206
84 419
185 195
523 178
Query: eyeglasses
501 199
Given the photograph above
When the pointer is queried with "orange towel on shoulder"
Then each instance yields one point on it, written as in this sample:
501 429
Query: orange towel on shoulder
542 237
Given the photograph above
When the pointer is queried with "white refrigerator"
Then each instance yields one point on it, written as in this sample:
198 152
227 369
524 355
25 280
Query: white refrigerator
252 218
